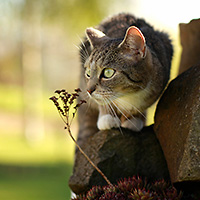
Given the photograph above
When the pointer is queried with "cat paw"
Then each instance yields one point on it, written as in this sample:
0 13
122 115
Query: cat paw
107 122
135 124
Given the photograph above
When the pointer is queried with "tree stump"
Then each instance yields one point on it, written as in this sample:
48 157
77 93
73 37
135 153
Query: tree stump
119 156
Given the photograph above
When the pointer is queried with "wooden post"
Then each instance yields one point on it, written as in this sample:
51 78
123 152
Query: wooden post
190 41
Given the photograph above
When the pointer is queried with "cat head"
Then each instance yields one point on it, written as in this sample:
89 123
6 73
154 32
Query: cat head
134 41
115 67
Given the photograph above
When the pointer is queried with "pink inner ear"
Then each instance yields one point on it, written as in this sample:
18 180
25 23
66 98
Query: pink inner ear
139 38
134 31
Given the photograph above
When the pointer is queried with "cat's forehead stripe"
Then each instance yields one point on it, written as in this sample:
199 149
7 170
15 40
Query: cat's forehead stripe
92 65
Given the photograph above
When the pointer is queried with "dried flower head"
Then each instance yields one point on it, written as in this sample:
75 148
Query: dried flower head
64 101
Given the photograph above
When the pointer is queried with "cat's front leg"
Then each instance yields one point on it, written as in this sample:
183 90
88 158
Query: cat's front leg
107 121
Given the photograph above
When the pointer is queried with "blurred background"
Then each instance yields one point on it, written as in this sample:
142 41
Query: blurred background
39 54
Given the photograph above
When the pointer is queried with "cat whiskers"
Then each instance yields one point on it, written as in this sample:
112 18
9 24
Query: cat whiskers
122 109
82 52
87 98
109 107
111 110
121 102
83 49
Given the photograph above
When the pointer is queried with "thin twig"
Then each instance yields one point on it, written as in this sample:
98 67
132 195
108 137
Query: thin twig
89 160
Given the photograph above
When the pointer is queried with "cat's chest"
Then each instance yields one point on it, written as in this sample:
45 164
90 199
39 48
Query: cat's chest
131 102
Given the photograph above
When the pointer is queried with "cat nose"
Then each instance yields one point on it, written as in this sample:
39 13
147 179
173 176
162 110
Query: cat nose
91 90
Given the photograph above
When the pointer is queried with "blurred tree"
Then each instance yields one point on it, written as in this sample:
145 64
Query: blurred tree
31 55
71 14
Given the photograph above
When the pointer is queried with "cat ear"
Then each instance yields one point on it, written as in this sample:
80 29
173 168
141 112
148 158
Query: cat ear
134 41
95 36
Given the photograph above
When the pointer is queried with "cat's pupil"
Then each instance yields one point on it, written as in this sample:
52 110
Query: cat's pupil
108 72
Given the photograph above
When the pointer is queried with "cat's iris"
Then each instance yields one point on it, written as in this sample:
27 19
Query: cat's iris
108 72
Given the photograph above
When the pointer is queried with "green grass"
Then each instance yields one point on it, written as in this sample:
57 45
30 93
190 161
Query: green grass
35 170
35 183
16 149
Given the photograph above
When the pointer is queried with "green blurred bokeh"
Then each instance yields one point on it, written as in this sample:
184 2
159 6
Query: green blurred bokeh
38 55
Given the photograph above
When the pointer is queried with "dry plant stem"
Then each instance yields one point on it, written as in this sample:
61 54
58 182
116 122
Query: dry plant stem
89 160
64 110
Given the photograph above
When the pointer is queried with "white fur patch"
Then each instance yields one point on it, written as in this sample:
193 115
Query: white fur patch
107 122
134 124
73 195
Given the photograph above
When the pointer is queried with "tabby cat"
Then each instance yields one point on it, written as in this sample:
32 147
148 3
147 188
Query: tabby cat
125 67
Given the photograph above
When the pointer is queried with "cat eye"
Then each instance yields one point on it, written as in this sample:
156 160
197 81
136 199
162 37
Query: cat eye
108 73
88 72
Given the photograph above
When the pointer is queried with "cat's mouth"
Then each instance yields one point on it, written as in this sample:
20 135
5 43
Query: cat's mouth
102 99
